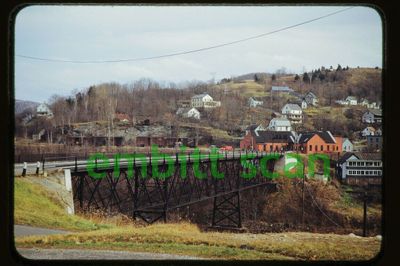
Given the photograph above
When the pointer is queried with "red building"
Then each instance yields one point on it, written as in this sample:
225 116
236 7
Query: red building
318 142
269 141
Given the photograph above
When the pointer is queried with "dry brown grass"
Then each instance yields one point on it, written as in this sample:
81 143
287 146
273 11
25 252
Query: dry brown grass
185 238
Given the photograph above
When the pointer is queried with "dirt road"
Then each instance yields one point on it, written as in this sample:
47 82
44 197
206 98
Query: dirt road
79 254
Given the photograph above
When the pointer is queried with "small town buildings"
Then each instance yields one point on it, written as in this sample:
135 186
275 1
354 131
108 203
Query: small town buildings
43 110
368 131
293 112
280 124
317 142
204 101
253 102
374 142
281 89
351 100
268 141
188 112
360 168
311 98
372 116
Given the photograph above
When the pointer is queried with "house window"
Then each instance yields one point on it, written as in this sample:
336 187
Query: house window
358 172
327 147
336 147
322 147
316 147
310 148
270 147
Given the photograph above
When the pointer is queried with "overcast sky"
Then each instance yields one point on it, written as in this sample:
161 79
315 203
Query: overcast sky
85 33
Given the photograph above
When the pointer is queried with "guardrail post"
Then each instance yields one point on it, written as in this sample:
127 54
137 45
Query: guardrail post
76 164
24 169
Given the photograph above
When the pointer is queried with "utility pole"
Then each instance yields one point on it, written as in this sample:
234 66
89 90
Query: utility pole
302 196
365 215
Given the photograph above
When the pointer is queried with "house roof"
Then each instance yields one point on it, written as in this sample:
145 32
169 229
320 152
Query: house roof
200 96
346 139
351 98
310 94
361 156
324 135
281 88
370 129
281 122
376 112
292 106
274 137
345 157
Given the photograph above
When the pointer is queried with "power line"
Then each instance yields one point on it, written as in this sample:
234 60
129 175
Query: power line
184 52
319 208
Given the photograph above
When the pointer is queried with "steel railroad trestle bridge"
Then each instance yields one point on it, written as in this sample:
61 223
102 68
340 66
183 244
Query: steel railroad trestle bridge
150 199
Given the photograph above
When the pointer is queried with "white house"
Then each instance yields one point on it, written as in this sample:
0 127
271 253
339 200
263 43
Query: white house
347 146
372 116
360 166
204 101
292 112
351 100
254 103
188 112
368 131
311 99
43 110
280 124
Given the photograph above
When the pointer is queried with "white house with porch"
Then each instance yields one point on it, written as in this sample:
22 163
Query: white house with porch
204 100
188 112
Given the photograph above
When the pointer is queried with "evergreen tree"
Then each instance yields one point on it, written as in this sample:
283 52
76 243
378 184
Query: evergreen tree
306 78
273 77
296 78
256 79
314 76
339 68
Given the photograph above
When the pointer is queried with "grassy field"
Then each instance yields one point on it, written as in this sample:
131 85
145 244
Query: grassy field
38 207
187 239
33 205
